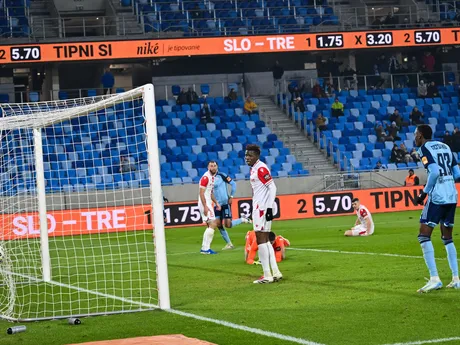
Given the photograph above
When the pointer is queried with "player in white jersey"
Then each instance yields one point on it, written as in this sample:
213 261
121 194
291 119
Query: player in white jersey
263 200
364 225
205 204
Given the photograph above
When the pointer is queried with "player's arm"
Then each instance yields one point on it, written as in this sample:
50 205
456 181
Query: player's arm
214 200
433 174
455 169
203 184
232 184
264 176
368 225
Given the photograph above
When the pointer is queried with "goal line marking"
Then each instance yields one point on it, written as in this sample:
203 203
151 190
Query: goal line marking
432 341
177 312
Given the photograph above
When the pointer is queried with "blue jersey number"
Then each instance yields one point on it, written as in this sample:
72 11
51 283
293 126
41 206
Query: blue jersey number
445 164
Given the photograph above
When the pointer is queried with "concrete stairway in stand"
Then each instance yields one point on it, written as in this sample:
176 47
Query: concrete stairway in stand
304 150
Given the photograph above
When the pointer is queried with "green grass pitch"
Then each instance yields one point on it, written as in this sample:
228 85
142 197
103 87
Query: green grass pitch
330 298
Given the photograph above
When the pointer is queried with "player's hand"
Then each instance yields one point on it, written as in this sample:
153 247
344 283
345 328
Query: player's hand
230 201
206 210
218 207
269 214
420 199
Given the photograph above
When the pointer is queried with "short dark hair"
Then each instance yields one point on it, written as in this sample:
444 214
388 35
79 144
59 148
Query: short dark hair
426 131
411 170
271 236
212 162
355 200
254 148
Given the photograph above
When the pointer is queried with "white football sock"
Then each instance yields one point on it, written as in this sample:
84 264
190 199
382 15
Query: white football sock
264 256
207 239
273 263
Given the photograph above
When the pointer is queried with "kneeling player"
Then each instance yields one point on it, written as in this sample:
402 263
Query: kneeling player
279 244
364 226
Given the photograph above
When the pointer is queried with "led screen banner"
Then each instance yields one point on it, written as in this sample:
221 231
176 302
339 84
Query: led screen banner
157 48
132 218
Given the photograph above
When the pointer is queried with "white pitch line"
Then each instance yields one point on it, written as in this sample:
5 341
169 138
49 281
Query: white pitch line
432 341
177 312
360 253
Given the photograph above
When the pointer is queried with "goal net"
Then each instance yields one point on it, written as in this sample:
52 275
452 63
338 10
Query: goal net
80 194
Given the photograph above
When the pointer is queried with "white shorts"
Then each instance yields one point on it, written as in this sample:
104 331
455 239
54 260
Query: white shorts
206 217
360 230
259 222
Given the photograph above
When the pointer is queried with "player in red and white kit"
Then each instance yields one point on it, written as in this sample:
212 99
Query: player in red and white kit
364 225
205 205
263 200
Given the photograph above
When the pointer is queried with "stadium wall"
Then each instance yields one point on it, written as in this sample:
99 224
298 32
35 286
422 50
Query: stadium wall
256 84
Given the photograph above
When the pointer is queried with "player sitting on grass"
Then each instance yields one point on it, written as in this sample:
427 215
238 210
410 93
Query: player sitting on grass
224 215
443 170
279 244
364 225
205 204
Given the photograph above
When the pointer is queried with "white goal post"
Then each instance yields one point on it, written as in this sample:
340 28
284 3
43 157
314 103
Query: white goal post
78 181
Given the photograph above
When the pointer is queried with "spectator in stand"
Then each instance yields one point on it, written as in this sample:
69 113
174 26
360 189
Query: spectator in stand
182 98
232 95
381 134
422 90
192 96
295 91
416 117
377 23
429 61
393 131
348 75
278 72
107 81
318 91
411 179
197 13
337 108
402 78
393 65
432 90
299 105
377 80
397 118
329 89
414 155
321 122
456 140
126 165
250 107
390 21
205 114
448 140
413 65
406 154
379 166
397 156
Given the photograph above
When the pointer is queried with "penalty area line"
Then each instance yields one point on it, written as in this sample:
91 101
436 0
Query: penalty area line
176 312
360 253
431 341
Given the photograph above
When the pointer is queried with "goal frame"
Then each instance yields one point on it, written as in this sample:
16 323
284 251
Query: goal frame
146 93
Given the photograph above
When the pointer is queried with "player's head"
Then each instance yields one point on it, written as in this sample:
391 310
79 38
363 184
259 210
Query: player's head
355 203
411 172
272 237
423 133
212 167
252 154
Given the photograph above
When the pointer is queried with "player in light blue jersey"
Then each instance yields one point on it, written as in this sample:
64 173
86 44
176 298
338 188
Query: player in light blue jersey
224 216
441 204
